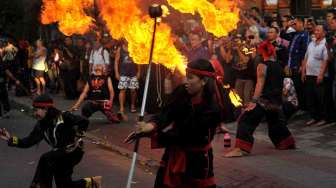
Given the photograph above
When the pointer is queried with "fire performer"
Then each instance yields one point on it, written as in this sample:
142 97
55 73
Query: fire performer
267 101
63 131
99 90
185 128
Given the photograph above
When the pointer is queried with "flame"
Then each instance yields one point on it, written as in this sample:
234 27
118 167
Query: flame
125 20
69 14
234 97
218 18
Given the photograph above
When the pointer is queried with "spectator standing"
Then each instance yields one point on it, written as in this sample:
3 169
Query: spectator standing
39 66
197 50
99 55
287 31
297 51
128 73
69 69
313 74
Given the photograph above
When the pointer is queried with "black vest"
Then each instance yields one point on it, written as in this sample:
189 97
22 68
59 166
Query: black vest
273 82
98 88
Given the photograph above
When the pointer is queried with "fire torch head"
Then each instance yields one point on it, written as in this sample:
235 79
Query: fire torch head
155 11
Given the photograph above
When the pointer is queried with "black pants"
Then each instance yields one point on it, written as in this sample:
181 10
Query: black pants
277 129
69 78
90 108
58 165
289 109
329 108
299 87
4 101
315 98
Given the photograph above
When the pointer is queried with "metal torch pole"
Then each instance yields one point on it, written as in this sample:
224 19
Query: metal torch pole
143 105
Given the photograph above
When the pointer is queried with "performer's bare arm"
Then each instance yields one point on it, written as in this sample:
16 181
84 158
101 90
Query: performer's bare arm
81 98
261 76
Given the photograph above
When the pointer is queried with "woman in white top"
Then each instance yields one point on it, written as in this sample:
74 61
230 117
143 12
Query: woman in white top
39 66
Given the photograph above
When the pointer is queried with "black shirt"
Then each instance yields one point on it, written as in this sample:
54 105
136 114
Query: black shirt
273 82
98 88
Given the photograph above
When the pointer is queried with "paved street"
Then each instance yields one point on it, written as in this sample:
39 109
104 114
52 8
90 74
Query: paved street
311 165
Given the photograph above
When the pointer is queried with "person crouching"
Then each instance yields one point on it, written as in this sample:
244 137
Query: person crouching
99 92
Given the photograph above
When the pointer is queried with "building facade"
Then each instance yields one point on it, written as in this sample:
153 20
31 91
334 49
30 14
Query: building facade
294 7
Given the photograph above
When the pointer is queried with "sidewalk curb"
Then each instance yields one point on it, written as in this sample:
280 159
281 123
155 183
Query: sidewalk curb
100 142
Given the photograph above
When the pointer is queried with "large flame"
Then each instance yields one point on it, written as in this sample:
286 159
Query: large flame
69 14
218 18
125 20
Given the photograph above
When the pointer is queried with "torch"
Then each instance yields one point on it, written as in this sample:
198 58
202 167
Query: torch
155 11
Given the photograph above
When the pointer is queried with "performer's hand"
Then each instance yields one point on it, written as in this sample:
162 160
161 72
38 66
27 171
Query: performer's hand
142 129
250 106
131 138
4 134
74 108
17 82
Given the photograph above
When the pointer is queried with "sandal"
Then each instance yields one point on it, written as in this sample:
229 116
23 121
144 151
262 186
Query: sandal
122 116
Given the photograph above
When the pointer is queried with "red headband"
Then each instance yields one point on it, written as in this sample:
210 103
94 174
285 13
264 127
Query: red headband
200 72
42 104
